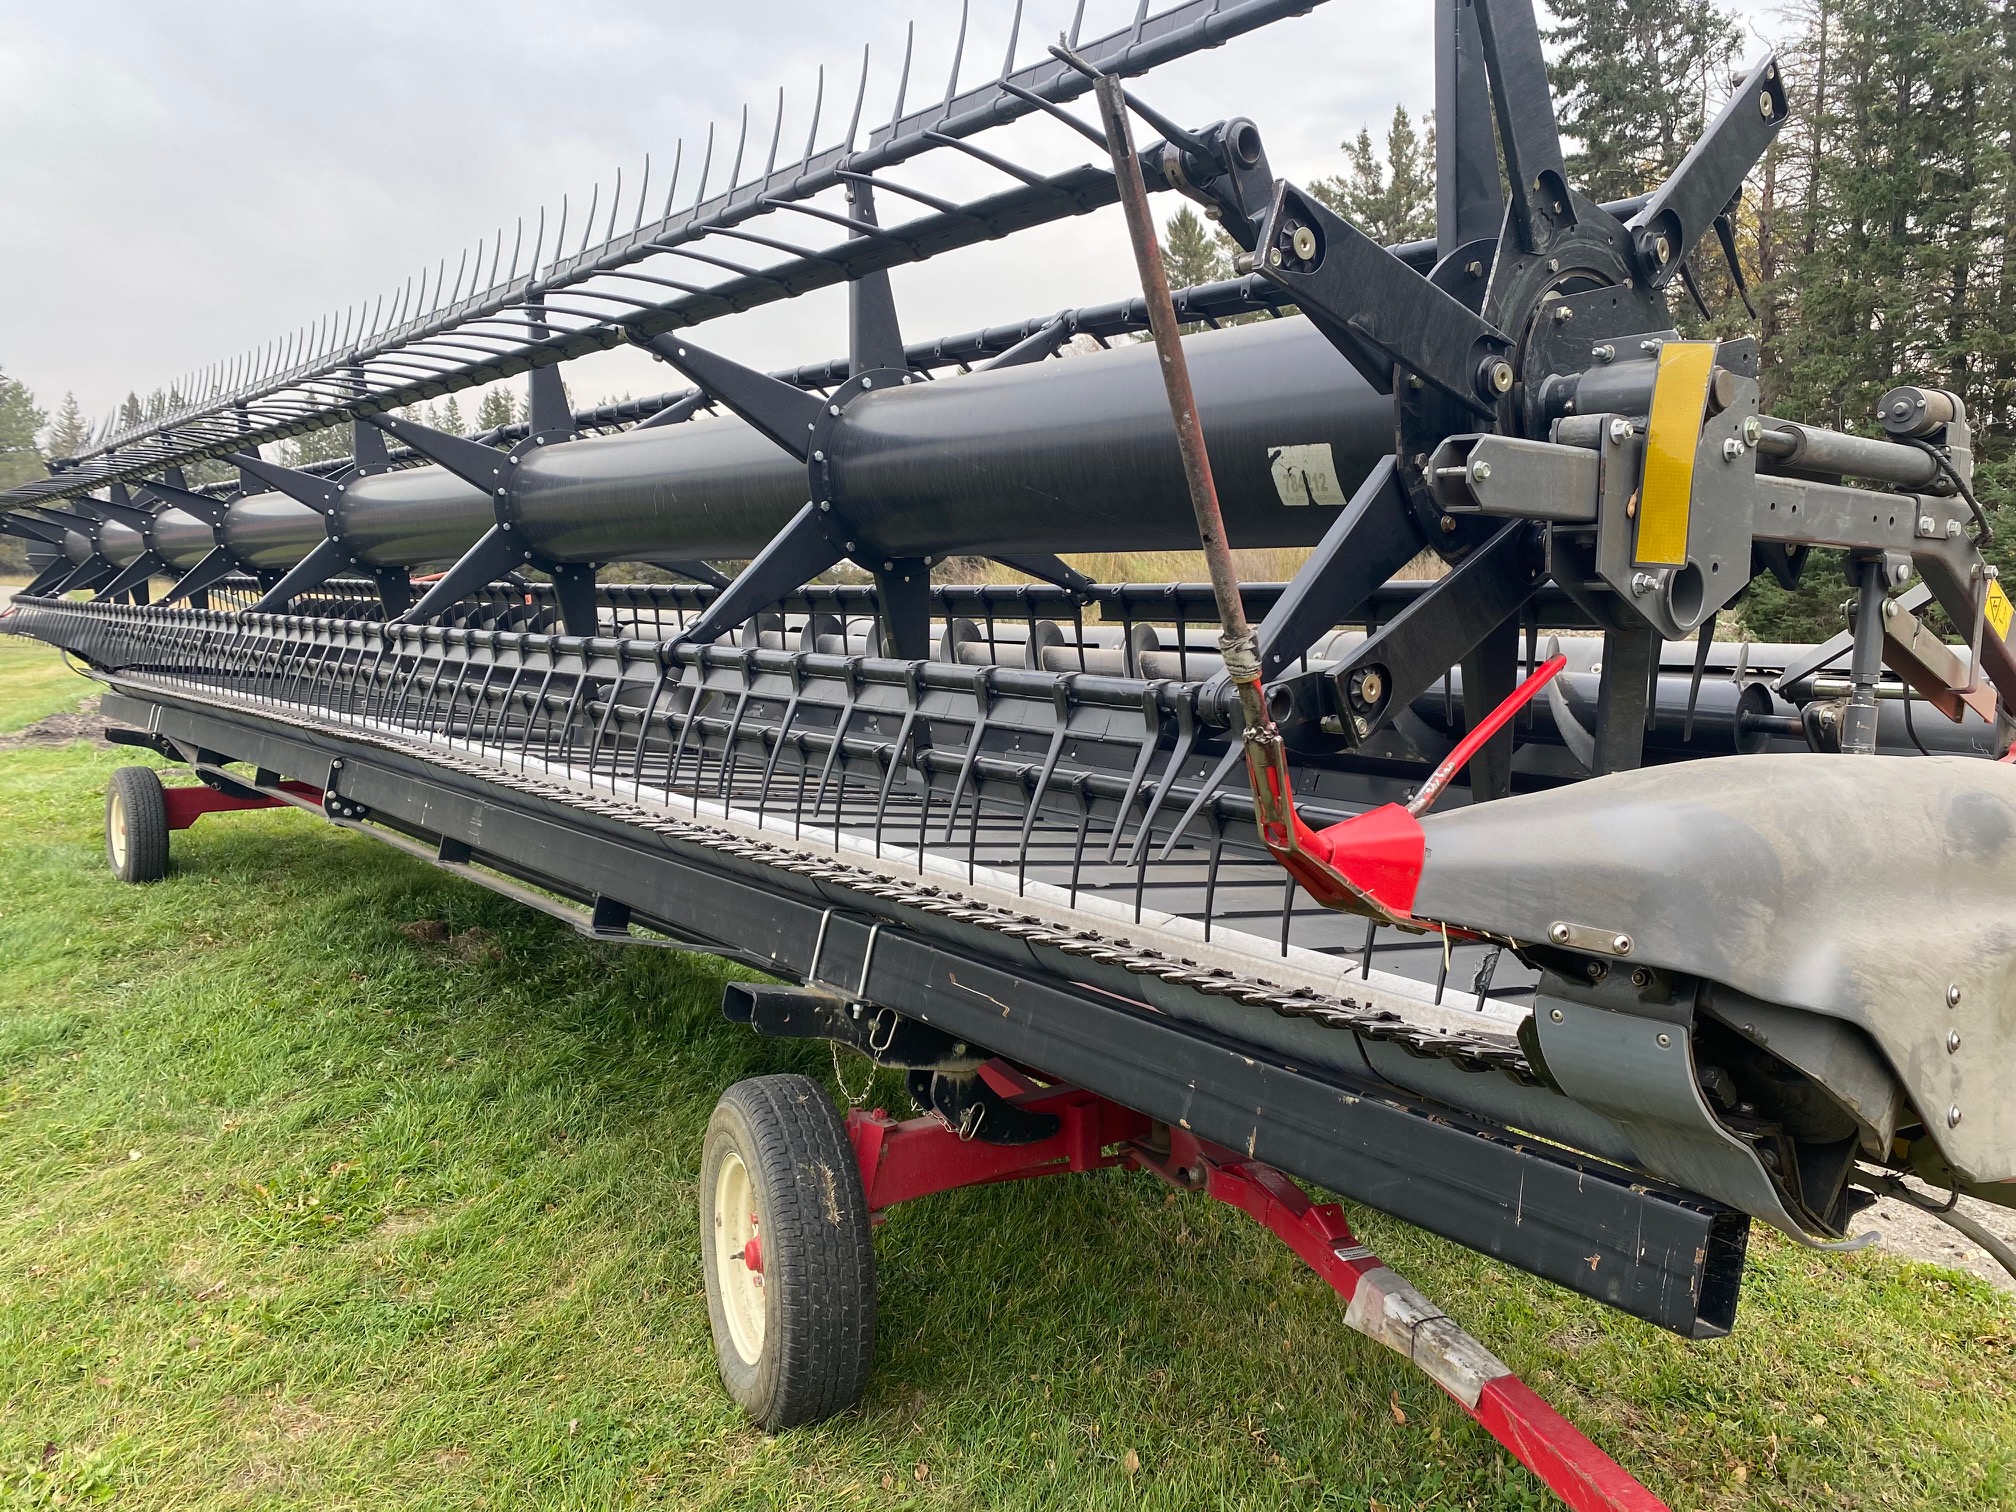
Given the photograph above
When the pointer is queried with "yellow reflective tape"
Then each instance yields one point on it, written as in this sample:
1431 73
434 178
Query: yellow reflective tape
1672 435
1999 610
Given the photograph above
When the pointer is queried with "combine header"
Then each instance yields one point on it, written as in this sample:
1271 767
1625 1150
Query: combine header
1699 933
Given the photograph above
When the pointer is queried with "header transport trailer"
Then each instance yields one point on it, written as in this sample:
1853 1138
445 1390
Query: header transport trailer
1509 902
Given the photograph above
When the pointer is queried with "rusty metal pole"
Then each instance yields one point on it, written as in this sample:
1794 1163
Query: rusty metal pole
1236 639
1300 851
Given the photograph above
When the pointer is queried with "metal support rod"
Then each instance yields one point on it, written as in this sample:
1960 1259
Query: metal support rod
1865 663
1236 639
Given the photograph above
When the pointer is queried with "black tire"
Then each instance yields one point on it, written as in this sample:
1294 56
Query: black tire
813 1284
136 825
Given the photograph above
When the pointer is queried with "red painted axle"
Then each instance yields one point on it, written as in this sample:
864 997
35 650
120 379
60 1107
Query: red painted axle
903 1161
188 804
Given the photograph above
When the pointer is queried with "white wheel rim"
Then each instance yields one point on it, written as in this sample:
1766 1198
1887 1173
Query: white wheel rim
741 1283
118 829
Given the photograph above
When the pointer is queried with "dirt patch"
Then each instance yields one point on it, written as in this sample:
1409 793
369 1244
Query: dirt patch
1905 1230
81 723
396 1226
296 1420
471 945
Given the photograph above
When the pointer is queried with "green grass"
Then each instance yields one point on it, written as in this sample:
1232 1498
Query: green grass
35 683
298 1207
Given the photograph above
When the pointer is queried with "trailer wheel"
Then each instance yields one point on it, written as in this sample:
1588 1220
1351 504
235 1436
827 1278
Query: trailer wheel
136 825
788 1252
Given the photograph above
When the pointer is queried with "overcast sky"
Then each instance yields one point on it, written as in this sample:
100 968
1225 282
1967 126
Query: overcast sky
183 179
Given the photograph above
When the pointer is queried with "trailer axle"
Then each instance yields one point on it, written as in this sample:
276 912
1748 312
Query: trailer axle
902 1161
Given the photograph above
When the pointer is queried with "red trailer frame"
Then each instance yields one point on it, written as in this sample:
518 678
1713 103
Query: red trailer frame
902 1161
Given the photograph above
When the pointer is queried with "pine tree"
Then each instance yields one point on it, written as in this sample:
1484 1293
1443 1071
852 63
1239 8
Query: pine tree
324 445
1633 85
130 413
20 423
1191 255
451 417
498 409
1390 197
71 432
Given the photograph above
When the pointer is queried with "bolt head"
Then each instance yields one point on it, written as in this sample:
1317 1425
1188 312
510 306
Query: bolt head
1953 995
1621 944
1448 524
1273 257
1953 1116
1604 353
1499 376
1480 472
1733 449
1558 934
1304 242
1665 1041
1362 725
832 409
1563 314
1952 1041
1620 430
1753 430
1556 1015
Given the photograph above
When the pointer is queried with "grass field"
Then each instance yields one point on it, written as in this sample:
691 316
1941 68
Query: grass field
328 1181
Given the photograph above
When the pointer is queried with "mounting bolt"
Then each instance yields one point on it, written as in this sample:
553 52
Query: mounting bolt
1474 269
1953 1116
1650 344
1448 524
1620 430
1665 250
818 456
1665 1042
1563 314
1643 583
1621 944
1480 472
832 409
1304 242
1604 353
825 506
1641 978
1927 526
1362 725
1733 449
1273 257
1558 934
1952 1041
1953 995
1556 1015
1496 376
